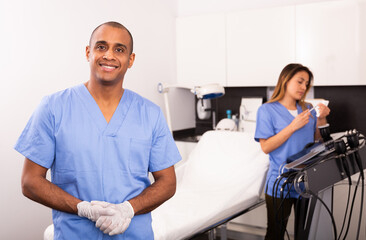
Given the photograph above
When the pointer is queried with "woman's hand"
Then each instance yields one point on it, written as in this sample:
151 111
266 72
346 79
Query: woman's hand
272 143
323 112
300 120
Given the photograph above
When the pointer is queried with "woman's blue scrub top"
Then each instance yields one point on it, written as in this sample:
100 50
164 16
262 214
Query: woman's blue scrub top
95 160
271 119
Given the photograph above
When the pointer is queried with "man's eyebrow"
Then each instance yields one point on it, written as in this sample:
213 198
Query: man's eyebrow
121 45
100 42
117 44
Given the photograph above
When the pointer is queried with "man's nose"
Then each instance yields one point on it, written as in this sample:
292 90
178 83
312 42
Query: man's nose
109 54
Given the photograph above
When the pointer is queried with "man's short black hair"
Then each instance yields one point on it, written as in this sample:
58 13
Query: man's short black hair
115 25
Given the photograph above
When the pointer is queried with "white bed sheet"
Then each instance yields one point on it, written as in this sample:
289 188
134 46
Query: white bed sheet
223 175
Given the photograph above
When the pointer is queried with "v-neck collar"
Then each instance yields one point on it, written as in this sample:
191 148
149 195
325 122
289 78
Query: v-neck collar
288 114
105 128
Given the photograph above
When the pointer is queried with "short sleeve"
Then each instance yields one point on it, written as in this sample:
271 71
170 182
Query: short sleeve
37 141
164 152
264 125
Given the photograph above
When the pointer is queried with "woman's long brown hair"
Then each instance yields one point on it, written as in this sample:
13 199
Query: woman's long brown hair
286 74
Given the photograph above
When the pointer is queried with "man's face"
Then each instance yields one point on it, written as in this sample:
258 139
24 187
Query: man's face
109 55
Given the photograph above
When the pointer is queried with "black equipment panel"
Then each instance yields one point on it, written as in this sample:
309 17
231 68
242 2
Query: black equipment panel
327 173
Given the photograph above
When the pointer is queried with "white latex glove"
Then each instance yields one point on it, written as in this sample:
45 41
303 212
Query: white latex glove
86 209
115 218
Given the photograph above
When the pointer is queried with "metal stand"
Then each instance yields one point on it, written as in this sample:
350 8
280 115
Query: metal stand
321 225
223 231
211 234
210 230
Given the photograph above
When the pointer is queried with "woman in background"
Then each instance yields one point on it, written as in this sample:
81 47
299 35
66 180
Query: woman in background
284 127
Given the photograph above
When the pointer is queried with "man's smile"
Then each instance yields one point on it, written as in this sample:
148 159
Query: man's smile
108 67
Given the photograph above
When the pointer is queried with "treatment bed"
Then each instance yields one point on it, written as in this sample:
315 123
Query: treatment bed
222 177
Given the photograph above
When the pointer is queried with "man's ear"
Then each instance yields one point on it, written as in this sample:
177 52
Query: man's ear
131 60
87 52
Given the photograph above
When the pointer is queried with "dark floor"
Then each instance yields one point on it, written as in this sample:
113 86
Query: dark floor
231 235
205 237
200 237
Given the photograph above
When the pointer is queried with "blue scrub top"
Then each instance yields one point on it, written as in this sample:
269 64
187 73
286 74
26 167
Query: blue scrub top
271 119
95 160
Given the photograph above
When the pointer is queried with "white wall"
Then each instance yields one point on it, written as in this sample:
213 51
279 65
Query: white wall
43 51
196 7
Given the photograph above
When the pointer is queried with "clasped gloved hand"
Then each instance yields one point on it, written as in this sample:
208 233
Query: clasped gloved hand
86 209
114 218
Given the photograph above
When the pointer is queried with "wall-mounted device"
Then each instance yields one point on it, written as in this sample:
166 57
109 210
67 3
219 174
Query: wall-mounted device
201 108
248 113
208 91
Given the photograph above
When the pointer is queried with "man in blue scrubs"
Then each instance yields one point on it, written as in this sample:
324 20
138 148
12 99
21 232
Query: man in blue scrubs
100 141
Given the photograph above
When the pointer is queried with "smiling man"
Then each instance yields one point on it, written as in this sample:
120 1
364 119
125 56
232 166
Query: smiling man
100 141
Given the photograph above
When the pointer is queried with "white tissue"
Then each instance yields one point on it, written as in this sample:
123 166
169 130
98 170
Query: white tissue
315 103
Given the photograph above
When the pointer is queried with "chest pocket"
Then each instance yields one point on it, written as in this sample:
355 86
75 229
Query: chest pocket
280 123
139 156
